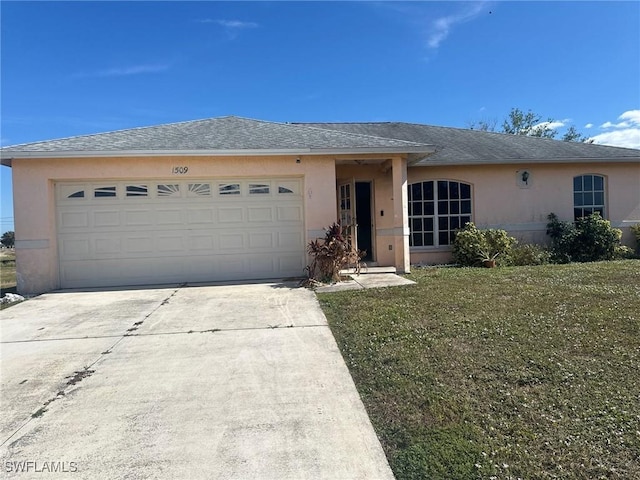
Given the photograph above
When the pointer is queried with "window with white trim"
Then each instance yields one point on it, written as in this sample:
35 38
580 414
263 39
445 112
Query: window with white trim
437 208
588 195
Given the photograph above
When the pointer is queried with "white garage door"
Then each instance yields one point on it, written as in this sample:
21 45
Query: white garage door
150 232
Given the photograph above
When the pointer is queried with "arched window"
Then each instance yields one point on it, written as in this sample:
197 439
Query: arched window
436 210
588 195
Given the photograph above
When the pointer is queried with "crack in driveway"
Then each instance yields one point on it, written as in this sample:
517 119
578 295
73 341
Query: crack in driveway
132 331
151 334
80 375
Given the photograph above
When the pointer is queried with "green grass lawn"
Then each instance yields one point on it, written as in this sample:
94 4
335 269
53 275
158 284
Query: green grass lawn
506 373
7 272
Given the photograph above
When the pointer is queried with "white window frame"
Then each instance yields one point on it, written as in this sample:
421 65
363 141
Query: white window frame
438 215
584 194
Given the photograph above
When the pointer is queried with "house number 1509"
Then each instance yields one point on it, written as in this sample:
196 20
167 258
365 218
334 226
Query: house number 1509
179 170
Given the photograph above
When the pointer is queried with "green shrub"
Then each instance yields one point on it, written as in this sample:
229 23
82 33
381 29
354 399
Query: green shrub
589 239
498 243
468 244
528 254
562 234
622 252
635 229
472 245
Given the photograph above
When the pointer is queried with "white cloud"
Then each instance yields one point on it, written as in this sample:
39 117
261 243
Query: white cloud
232 27
552 125
632 115
615 125
134 70
625 133
427 19
630 118
125 71
231 24
628 137
236 24
589 125
440 28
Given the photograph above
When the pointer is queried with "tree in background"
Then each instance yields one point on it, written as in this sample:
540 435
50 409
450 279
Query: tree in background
572 135
529 124
8 239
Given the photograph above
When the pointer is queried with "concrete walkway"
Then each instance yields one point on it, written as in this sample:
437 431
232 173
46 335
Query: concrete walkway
370 277
198 382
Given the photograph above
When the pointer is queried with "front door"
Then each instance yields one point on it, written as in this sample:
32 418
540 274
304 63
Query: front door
364 220
354 202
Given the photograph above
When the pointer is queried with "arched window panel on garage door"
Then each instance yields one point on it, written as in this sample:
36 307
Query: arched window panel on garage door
288 187
76 194
168 190
71 192
199 190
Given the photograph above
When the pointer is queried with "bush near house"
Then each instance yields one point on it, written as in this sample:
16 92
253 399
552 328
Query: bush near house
472 245
588 239
528 254
635 229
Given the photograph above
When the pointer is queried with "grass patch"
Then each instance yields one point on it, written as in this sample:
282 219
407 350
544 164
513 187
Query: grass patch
521 372
7 274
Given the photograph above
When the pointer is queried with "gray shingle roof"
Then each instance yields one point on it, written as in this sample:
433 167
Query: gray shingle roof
461 146
229 135
220 135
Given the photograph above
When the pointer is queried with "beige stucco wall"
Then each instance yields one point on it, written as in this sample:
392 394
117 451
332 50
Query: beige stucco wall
499 202
34 202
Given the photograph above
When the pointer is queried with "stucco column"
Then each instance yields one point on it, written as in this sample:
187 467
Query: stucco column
400 215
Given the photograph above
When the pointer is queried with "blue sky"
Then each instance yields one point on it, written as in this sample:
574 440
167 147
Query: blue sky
72 68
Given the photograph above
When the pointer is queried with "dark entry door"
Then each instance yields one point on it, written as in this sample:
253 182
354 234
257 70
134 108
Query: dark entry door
364 219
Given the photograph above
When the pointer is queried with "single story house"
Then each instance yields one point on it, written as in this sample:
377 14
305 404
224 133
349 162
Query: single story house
232 198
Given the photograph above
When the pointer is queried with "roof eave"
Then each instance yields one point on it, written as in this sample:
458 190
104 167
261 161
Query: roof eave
421 151
510 161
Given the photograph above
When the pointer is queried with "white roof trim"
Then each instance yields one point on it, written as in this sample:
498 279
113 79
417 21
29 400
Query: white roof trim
512 161
10 155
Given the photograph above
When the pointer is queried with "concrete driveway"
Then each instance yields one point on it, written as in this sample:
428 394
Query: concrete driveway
234 382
